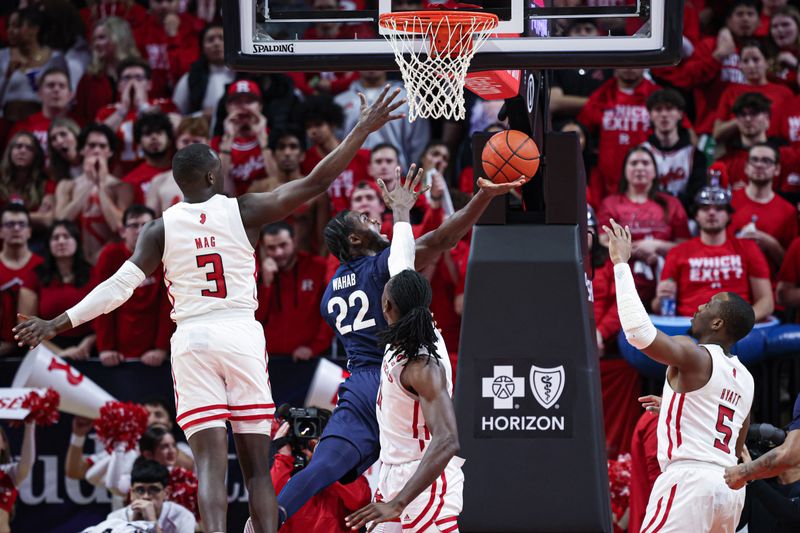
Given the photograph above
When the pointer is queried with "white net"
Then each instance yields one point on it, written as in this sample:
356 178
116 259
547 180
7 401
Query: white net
434 57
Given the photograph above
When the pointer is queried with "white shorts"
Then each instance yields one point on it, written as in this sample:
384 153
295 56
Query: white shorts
219 372
435 510
692 497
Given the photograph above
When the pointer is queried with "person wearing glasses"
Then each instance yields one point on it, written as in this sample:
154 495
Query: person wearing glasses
149 510
141 327
759 214
714 262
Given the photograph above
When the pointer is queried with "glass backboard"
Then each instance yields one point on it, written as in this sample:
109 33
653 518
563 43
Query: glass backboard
302 35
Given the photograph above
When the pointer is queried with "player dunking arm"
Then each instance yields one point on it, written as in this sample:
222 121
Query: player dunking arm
421 481
351 305
705 403
219 359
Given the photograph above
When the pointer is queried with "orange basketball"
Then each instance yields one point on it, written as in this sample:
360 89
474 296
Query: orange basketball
509 155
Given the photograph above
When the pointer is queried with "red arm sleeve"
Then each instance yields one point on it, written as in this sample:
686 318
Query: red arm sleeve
354 495
105 326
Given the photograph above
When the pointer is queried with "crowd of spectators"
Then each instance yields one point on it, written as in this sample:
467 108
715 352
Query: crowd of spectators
700 160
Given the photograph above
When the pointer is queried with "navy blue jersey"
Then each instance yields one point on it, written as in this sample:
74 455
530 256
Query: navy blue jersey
352 307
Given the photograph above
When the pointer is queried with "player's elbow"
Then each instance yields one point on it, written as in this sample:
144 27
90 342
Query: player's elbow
450 445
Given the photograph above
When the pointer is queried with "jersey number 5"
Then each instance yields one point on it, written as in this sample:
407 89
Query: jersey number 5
724 413
358 297
216 274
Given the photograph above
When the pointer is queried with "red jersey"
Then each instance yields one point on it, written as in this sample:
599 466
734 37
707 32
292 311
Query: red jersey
701 271
168 57
140 177
789 121
11 279
56 297
289 308
776 217
140 324
777 93
129 153
247 162
342 187
622 120
326 510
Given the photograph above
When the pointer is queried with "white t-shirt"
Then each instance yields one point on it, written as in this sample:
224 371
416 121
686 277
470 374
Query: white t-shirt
174 518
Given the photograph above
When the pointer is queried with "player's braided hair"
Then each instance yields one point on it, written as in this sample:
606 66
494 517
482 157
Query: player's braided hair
411 293
336 234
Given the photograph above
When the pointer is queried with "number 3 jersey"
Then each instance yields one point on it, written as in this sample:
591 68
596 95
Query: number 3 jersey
703 425
209 263
351 305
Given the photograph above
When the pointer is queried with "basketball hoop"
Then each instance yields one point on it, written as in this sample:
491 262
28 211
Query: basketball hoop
433 50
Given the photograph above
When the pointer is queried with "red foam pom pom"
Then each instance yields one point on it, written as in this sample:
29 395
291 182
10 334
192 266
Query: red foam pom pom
121 423
183 489
619 482
43 407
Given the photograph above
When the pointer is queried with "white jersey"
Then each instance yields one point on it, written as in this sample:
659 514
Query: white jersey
209 263
404 433
703 425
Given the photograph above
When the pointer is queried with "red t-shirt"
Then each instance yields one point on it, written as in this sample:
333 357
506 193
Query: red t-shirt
16 198
140 177
622 121
776 217
790 268
168 57
56 297
143 322
648 219
129 153
342 187
93 93
247 162
701 271
11 279
788 180
777 93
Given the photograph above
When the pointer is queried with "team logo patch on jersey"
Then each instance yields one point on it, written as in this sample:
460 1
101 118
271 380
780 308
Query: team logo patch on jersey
547 385
202 218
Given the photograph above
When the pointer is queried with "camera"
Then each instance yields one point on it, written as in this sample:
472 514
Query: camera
761 438
305 424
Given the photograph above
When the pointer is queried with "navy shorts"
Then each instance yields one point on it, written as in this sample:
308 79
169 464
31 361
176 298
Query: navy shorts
354 418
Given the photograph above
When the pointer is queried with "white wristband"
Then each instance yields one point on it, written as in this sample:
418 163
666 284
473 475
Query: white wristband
77 440
636 323
403 249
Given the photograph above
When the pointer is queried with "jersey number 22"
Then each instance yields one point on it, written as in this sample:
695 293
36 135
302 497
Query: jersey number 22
356 298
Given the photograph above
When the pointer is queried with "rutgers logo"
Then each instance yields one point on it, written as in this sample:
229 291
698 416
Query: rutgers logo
202 218
72 379
242 87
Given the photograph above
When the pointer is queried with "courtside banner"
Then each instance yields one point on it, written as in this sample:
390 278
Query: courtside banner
524 398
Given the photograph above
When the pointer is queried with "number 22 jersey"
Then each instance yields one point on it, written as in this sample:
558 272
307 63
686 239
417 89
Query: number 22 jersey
703 425
209 263
351 305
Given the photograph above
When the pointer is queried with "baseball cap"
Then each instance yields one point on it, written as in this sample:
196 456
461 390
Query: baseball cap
244 87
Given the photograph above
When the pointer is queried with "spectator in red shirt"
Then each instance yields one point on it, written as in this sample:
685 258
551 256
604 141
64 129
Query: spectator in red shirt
163 191
99 11
321 117
62 150
785 37
168 40
152 132
112 41
16 262
753 64
96 199
326 510
681 166
617 114
58 284
760 214
56 94
134 100
244 147
644 467
23 179
713 262
657 220
291 288
141 327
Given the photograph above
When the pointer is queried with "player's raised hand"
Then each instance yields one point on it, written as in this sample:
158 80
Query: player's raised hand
496 189
376 513
619 242
405 195
374 116
33 330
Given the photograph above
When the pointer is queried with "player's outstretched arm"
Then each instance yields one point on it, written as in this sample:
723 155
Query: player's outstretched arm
262 208
400 200
446 236
104 298
771 464
427 379
680 352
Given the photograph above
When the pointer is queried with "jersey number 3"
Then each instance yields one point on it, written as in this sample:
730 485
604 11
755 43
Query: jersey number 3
356 298
724 444
216 274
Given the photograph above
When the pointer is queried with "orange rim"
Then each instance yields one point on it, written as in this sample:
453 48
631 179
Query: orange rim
418 21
